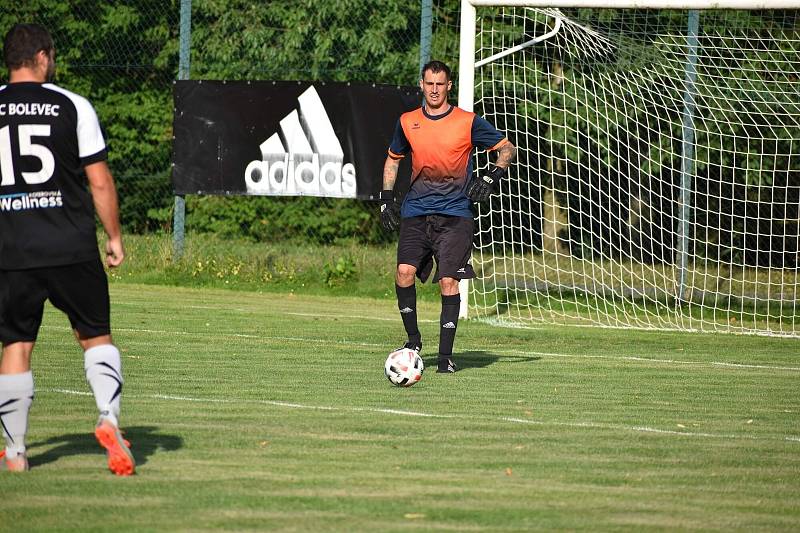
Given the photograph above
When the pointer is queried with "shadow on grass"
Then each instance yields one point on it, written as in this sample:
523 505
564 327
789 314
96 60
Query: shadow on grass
145 441
467 360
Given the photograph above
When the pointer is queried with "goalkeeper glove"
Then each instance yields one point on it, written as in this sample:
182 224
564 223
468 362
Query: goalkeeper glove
479 189
390 210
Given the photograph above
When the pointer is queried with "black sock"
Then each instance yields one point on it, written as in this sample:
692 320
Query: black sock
407 304
448 323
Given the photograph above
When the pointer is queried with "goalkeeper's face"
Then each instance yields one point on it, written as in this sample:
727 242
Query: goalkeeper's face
435 87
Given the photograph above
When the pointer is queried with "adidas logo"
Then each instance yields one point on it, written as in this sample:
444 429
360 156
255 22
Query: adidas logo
449 325
304 158
406 310
461 270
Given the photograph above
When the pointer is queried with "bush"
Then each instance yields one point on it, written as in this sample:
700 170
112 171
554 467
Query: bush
271 219
145 202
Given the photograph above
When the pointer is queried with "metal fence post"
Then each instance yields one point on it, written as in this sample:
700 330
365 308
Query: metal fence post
184 59
687 158
425 31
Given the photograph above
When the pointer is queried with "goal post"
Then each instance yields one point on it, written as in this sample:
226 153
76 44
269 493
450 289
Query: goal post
657 183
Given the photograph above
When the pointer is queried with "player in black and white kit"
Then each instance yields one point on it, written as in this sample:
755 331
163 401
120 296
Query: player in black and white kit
48 248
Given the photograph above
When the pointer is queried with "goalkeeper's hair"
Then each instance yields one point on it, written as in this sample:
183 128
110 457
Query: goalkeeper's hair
436 67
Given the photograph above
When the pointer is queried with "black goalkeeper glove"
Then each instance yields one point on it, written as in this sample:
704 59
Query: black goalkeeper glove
390 210
480 189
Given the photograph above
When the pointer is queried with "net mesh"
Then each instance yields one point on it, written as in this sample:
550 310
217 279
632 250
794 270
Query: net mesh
658 175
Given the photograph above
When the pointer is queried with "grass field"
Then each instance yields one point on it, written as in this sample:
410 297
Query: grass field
252 411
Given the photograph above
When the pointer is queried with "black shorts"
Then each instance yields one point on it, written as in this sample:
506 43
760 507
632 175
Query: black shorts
79 290
447 239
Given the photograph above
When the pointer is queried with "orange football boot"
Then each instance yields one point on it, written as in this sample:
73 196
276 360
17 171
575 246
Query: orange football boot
120 458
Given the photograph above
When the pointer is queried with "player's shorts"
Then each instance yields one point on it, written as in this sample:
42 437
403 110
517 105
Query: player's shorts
447 239
79 290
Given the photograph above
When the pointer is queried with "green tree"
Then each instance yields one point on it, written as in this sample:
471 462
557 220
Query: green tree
122 55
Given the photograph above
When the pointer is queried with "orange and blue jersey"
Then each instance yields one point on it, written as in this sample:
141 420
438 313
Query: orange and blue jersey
441 162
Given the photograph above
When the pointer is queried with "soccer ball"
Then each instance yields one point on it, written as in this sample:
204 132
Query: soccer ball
404 367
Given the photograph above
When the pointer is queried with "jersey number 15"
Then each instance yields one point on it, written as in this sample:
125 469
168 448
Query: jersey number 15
26 148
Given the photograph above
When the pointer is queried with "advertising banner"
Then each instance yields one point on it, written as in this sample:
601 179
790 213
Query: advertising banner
285 138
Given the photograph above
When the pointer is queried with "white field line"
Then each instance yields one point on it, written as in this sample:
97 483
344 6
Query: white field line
360 317
294 313
481 419
654 360
502 351
509 323
642 429
234 335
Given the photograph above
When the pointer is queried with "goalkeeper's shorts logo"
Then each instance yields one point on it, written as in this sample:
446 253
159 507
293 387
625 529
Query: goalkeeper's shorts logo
304 158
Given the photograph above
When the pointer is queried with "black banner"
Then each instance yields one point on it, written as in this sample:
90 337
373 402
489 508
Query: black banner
285 138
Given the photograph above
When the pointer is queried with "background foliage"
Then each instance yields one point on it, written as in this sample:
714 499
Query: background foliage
123 56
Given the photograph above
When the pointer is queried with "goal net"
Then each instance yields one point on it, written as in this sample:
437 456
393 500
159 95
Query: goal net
657 182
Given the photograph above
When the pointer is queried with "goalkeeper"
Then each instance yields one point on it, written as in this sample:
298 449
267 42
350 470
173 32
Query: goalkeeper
436 218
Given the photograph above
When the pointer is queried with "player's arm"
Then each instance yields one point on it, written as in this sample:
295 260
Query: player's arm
390 169
390 209
484 134
104 195
506 153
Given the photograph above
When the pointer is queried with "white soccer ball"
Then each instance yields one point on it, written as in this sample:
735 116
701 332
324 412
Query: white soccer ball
404 367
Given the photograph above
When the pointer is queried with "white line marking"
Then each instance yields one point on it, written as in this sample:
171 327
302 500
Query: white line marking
359 317
652 360
292 405
642 429
66 391
295 313
227 401
646 429
236 335
741 365
398 412
501 351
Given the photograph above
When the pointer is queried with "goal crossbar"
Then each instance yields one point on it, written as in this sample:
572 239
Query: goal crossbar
632 4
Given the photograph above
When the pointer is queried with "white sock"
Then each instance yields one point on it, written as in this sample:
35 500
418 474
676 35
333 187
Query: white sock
16 396
104 374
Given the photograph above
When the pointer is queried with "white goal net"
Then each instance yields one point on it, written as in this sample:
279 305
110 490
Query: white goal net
657 183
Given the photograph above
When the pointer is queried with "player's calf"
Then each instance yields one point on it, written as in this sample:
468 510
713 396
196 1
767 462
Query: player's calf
16 397
448 324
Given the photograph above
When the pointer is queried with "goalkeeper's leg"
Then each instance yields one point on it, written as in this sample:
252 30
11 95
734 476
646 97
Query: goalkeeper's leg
453 249
407 304
414 260
448 324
